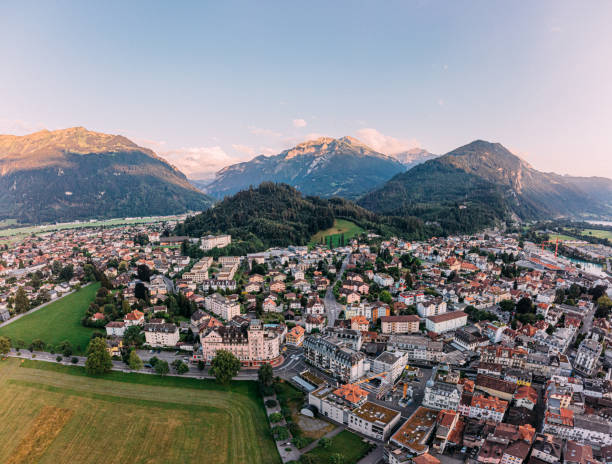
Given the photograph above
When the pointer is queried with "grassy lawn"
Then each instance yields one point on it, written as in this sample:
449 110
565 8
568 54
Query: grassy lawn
349 445
56 322
561 237
341 226
57 414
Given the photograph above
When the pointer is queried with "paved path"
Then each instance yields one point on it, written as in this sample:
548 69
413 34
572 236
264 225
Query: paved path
330 434
33 310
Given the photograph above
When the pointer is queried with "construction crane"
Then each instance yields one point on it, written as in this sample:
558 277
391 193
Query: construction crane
556 242
359 382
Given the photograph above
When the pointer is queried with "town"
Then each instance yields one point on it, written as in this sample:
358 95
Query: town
482 349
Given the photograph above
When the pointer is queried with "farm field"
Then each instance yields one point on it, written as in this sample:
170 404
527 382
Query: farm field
8 231
561 237
57 414
56 322
341 226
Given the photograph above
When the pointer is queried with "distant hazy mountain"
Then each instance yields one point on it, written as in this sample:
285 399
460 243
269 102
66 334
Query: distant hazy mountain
482 182
324 167
75 173
413 157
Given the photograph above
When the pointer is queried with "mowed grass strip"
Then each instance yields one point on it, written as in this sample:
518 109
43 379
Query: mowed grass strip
47 425
56 322
341 226
136 418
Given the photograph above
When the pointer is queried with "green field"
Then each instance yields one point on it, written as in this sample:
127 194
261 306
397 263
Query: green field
52 414
341 226
599 233
561 237
56 322
350 446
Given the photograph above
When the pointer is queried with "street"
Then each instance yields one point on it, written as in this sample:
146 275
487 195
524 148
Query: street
332 307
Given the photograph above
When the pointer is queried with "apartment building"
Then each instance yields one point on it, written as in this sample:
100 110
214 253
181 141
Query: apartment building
161 335
222 306
400 324
215 241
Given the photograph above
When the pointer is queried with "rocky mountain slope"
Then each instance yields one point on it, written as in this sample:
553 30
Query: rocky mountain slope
413 157
75 174
324 167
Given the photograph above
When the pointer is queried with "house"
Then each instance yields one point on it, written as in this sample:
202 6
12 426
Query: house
295 337
134 318
315 307
315 322
526 397
114 346
360 323
115 328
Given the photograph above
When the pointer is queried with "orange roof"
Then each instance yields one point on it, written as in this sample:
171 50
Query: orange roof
425 459
134 315
359 320
529 393
351 393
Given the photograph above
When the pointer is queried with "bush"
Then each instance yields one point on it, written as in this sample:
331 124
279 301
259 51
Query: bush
74 360
301 442
271 403
325 443
275 417
280 433
59 359
295 429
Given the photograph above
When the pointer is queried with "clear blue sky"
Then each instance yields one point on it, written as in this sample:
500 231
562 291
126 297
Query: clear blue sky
208 83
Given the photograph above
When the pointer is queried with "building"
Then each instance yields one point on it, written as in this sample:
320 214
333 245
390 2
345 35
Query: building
547 448
199 271
252 344
333 356
487 408
417 348
160 335
431 307
211 241
373 420
411 438
115 328
222 306
588 354
295 337
383 280
443 390
400 324
446 322
134 318
392 363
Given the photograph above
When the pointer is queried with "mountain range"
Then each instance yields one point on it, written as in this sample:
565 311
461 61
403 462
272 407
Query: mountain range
486 182
76 174
325 167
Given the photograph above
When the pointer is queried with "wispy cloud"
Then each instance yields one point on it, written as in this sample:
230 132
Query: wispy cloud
19 127
299 123
244 149
266 132
385 143
200 162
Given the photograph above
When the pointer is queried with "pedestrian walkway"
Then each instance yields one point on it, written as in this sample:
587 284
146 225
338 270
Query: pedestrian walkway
286 449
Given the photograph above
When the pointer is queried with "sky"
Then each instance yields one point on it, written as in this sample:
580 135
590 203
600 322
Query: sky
207 84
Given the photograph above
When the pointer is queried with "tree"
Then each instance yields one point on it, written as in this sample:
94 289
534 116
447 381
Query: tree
65 348
385 297
144 273
161 367
22 303
67 273
265 378
5 345
141 292
524 306
98 358
133 336
37 345
180 367
325 443
507 305
224 366
134 361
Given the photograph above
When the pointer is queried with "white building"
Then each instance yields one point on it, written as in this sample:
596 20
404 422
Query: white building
215 241
115 328
431 307
373 420
158 335
446 322
222 306
383 280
